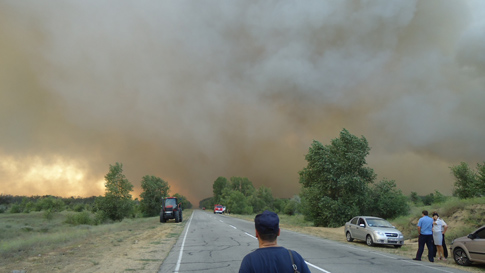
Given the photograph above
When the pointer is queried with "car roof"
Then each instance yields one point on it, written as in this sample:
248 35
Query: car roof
368 217
478 229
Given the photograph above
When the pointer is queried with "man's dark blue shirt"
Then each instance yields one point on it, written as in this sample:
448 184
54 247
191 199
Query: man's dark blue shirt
272 260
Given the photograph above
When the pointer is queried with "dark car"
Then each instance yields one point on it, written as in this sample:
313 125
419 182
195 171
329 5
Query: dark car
469 249
373 230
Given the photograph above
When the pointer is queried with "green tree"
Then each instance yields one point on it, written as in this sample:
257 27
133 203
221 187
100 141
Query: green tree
335 180
262 199
154 188
236 202
386 200
280 204
439 197
292 206
182 199
414 197
466 184
207 203
243 185
220 184
481 178
428 199
116 203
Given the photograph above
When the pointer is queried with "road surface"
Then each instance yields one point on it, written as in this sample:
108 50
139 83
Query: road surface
218 243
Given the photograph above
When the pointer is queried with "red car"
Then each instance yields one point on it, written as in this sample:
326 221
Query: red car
218 209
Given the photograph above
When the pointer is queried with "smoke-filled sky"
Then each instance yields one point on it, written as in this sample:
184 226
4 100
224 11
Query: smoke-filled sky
192 90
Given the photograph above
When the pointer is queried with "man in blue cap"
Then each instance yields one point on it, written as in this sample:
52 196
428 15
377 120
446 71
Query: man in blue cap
425 230
270 257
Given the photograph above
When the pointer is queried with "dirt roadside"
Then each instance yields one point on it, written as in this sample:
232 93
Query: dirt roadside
140 249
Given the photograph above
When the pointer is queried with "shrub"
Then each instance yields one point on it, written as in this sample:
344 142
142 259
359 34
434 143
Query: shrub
48 214
80 218
291 207
78 208
16 208
27 228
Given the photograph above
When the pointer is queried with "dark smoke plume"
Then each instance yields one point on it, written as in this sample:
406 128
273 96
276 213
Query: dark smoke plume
190 91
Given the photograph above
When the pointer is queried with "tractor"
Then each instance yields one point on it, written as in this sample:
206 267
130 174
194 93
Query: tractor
171 209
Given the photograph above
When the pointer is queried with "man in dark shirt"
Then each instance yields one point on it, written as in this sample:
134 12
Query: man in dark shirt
270 257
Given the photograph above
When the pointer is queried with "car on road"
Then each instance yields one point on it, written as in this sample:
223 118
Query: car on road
373 230
218 209
469 249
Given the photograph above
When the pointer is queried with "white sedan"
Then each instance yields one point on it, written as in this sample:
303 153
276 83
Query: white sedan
373 230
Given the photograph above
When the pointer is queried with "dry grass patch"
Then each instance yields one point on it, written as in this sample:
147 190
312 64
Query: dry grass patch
138 245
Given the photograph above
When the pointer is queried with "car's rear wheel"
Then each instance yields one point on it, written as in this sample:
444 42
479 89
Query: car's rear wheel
369 241
349 237
460 257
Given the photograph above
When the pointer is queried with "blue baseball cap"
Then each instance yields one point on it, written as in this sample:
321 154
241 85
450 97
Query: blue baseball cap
267 222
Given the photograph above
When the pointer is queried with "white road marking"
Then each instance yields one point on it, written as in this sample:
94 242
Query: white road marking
233 226
177 267
316 267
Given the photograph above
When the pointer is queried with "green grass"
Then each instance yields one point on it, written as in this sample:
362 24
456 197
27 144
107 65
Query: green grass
468 214
26 233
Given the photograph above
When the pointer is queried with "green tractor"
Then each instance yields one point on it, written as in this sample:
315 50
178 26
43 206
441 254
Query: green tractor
171 209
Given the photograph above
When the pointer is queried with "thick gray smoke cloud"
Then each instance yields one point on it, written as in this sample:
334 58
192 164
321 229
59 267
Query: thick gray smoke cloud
192 90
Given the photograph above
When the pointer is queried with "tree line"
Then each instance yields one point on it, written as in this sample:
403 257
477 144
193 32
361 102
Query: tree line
337 185
239 196
116 204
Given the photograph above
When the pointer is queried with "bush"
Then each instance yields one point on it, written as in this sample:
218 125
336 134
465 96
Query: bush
48 214
80 218
100 217
78 208
16 208
387 201
291 207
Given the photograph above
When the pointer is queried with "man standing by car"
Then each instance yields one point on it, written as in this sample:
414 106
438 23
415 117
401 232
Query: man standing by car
270 257
425 230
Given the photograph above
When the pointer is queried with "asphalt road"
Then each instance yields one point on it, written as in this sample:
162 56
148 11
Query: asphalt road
217 243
